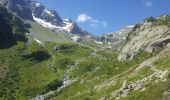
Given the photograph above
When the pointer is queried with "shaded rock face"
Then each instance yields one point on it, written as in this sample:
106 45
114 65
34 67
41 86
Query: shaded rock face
20 7
148 37
9 35
76 30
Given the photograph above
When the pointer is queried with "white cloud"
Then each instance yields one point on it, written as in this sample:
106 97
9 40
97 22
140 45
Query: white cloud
83 17
93 25
93 22
148 3
104 24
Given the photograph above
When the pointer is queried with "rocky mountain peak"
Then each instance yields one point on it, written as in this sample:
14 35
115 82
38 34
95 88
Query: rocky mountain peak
41 12
51 19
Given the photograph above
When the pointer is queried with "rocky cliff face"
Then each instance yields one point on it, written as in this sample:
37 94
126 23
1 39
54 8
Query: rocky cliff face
12 29
149 36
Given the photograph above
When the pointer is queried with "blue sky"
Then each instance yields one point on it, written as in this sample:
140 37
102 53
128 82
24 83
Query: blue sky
104 16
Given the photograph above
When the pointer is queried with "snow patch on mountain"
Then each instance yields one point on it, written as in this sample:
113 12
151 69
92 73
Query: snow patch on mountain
75 38
37 4
130 26
48 12
67 26
44 23
99 42
38 41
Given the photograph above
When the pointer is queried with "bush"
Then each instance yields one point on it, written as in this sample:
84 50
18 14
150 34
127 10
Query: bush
37 56
62 63
65 48
86 66
54 85
150 19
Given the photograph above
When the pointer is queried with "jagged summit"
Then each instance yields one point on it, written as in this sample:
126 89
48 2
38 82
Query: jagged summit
41 12
50 19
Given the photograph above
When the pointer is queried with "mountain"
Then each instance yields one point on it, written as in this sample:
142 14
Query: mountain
51 19
31 10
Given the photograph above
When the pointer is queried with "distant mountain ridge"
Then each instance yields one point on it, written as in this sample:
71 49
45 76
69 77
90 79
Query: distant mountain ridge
118 36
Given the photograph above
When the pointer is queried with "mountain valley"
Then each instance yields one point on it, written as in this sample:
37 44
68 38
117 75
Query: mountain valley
46 57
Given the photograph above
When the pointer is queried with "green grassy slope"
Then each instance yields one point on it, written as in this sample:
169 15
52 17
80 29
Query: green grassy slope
44 34
29 71
91 72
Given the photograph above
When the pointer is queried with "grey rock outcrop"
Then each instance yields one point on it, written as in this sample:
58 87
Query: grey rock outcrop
148 36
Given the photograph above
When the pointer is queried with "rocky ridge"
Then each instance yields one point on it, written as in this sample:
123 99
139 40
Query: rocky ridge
149 36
